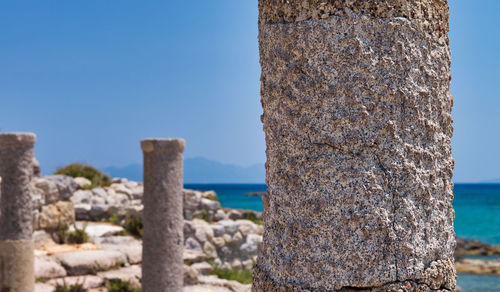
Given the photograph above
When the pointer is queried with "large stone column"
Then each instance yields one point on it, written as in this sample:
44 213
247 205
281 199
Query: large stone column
16 244
357 117
163 239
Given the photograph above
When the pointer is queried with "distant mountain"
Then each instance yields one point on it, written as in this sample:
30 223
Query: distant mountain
200 170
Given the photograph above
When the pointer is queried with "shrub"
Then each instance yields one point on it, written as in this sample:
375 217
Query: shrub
133 225
97 178
78 235
77 287
242 276
253 217
114 219
120 286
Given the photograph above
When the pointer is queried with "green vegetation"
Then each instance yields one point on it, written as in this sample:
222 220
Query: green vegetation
253 217
203 216
41 280
120 286
77 287
133 225
97 178
114 219
76 236
242 276
62 232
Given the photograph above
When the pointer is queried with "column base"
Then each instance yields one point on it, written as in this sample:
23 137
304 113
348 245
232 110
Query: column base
262 282
17 270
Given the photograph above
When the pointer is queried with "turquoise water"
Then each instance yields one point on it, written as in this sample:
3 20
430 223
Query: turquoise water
477 216
477 212
483 283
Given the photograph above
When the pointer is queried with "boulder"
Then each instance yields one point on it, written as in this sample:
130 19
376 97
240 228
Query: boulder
251 245
234 215
210 205
99 229
192 244
81 197
82 211
192 199
99 192
131 274
190 275
65 185
121 189
46 267
54 215
203 268
42 238
90 261
49 189
211 195
209 250
194 256
230 226
83 183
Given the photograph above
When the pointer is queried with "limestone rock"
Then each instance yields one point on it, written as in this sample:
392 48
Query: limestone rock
98 229
46 267
42 238
81 197
65 185
203 268
43 287
90 261
190 275
83 183
59 214
88 282
131 274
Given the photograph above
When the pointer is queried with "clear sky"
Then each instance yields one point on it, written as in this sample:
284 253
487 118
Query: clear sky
91 78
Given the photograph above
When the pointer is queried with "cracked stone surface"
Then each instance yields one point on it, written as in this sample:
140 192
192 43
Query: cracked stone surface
357 117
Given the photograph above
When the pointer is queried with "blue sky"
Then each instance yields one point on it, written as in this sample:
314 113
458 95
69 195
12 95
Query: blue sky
91 78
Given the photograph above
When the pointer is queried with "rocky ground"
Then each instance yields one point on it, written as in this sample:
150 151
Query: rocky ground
214 237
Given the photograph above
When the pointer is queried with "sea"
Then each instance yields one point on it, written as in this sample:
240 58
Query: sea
477 216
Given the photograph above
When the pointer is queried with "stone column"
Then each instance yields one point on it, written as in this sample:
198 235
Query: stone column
357 117
163 239
16 244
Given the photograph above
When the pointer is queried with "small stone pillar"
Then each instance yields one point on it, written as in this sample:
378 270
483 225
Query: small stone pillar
16 229
357 116
163 239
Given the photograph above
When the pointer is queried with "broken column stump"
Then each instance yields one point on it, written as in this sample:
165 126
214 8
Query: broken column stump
16 226
357 117
163 239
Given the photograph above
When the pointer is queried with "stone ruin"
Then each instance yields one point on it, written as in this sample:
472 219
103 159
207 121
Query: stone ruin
163 219
357 117
16 243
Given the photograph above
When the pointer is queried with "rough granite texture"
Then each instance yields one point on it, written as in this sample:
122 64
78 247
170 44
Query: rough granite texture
430 15
357 117
163 238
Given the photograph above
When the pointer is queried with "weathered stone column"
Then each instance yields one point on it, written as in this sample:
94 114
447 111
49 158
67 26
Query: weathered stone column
357 117
163 239
16 244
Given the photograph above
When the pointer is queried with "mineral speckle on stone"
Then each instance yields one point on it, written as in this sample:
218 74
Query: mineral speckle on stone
357 116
